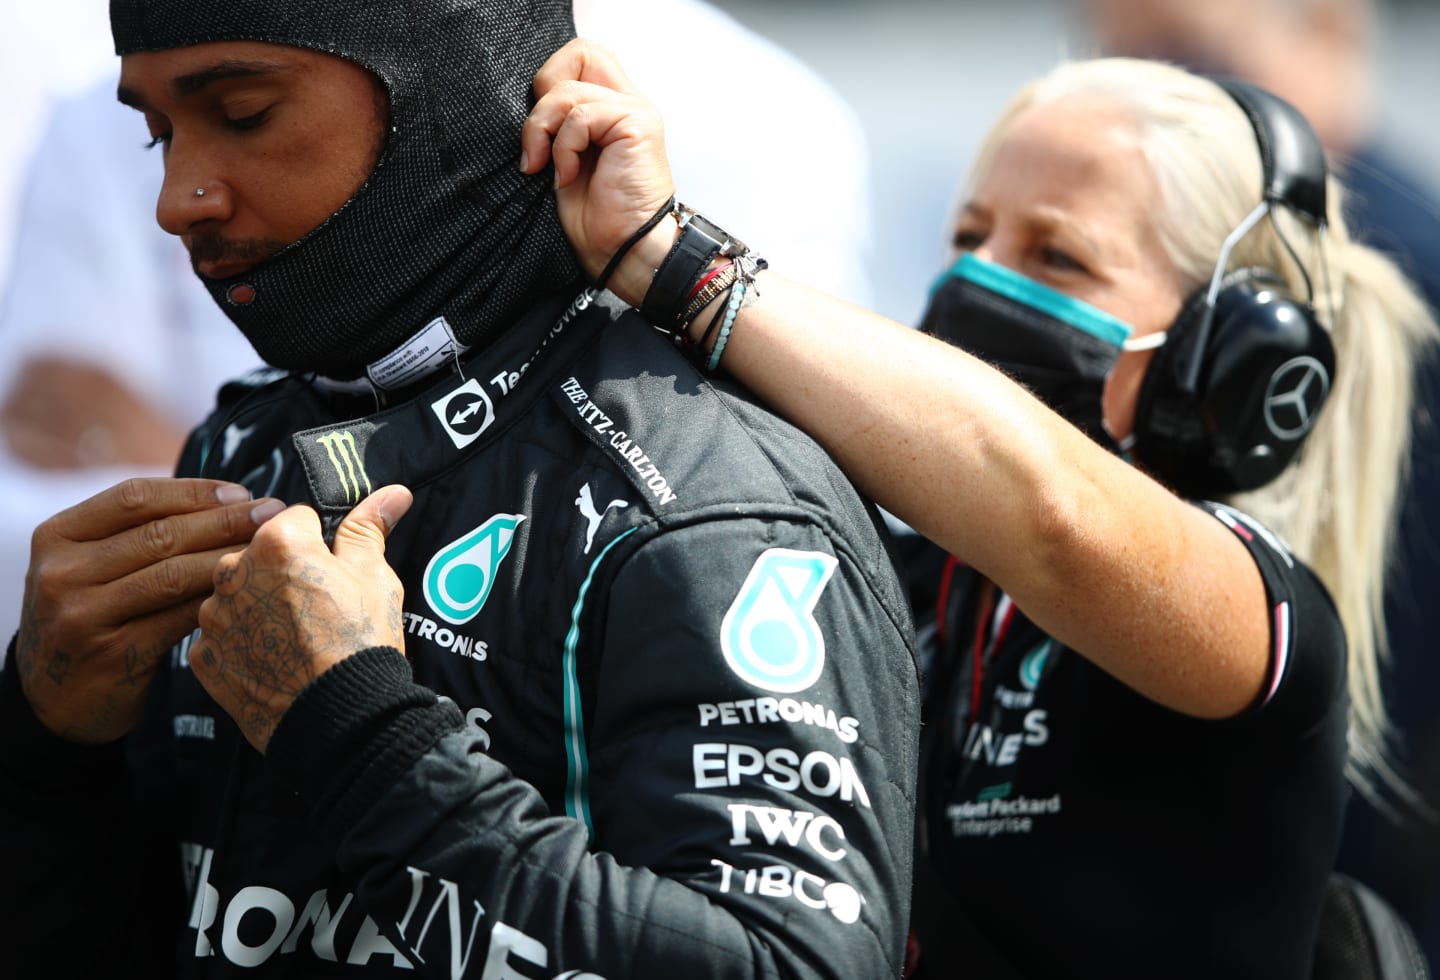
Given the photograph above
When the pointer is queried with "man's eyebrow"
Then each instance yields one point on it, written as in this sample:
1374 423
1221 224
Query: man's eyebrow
221 71
197 81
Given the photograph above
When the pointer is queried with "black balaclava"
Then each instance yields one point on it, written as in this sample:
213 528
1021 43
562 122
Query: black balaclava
446 225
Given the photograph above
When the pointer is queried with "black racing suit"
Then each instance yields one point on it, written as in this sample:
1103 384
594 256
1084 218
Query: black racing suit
676 721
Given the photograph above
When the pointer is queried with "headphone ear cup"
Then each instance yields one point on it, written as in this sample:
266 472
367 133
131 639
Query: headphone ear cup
1170 434
1225 408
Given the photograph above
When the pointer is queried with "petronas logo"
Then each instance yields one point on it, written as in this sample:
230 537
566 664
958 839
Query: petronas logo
349 467
769 636
460 576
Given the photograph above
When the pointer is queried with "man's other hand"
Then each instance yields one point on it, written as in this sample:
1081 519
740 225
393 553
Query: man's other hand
286 608
113 583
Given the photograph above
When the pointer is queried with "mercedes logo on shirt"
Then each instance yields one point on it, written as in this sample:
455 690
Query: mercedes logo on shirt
1296 391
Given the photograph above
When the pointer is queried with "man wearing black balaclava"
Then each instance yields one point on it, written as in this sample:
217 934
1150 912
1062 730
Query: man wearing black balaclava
621 696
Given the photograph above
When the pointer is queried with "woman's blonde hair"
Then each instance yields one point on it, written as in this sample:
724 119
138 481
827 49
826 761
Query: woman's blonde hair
1338 503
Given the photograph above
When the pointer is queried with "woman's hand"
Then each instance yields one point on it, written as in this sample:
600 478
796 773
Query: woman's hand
607 142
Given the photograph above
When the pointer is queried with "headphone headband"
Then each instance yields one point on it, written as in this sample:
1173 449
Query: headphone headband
1290 152
1231 395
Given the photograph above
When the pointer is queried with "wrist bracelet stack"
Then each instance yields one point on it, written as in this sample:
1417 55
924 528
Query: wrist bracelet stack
685 284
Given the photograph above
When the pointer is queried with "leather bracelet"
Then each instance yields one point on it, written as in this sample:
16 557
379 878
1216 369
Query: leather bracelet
630 242
699 241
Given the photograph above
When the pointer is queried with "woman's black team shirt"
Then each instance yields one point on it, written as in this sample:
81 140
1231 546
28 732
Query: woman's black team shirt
1088 832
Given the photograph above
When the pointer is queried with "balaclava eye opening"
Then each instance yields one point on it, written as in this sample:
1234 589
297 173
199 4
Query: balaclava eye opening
446 225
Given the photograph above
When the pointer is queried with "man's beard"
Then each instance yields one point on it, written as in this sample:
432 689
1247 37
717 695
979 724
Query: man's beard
214 248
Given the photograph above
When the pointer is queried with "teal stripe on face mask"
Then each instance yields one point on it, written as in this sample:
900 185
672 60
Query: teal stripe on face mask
1023 289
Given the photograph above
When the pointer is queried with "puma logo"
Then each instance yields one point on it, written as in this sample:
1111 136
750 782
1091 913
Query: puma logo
234 436
586 503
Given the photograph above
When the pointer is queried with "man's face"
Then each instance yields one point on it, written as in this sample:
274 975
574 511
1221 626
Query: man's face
277 138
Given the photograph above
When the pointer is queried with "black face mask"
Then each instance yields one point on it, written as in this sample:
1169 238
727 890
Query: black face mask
446 226
1060 348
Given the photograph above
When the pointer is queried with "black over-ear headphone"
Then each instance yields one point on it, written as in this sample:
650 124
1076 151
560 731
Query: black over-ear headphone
1245 367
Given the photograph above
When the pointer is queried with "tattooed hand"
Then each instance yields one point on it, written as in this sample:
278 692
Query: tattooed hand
114 582
286 609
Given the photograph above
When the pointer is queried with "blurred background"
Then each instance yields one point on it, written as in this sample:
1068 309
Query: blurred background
923 76
927 76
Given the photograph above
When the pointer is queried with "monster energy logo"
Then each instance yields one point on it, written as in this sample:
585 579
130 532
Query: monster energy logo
349 467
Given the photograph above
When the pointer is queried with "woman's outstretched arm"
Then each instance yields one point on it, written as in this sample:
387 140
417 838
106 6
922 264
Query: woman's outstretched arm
1153 590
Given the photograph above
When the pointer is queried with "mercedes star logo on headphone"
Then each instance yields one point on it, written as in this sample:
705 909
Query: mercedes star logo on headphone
1296 391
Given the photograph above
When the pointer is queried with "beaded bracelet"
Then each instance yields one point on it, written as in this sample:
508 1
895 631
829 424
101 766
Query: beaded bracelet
737 296
706 278
704 342
745 291
715 284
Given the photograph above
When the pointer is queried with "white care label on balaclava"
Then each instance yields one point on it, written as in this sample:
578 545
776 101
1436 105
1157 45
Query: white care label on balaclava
433 346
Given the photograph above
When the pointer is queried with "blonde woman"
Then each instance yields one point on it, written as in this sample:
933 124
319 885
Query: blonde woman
1140 709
